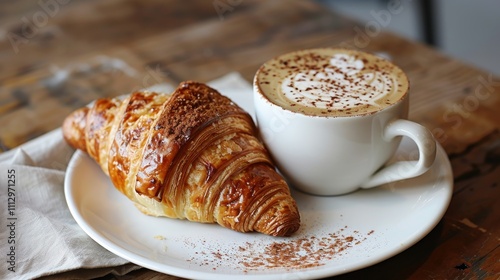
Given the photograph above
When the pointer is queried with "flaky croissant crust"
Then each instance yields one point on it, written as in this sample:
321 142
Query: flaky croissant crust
190 155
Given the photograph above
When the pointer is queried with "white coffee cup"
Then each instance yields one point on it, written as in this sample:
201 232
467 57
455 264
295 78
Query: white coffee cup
325 155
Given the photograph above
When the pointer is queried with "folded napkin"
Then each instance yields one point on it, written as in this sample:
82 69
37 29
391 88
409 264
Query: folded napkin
39 236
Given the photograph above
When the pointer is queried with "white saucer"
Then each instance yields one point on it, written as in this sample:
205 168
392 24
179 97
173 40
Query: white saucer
344 233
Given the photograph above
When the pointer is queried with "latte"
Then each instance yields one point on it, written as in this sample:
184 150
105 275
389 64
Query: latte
331 82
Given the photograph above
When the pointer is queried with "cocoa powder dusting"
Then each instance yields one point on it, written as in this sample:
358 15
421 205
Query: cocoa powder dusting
289 254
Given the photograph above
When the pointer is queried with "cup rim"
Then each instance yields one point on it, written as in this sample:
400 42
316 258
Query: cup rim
257 89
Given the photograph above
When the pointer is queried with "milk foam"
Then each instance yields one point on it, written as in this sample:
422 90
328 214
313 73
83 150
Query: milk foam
332 82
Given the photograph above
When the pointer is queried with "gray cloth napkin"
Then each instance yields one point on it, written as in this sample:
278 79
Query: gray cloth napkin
39 237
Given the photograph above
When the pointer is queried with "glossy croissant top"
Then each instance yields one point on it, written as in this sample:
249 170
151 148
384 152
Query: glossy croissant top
190 155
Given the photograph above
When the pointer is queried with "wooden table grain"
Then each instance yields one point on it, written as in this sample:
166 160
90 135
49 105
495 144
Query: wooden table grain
56 56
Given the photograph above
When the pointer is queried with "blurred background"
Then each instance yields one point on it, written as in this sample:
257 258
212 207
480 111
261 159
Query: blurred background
467 30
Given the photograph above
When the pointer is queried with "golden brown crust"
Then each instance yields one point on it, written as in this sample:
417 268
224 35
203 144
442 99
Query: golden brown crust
74 129
100 121
132 129
266 206
192 106
192 155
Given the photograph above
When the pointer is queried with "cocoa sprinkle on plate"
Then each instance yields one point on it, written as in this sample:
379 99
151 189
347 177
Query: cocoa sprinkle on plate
293 253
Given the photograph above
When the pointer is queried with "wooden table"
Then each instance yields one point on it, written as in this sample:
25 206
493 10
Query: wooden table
59 57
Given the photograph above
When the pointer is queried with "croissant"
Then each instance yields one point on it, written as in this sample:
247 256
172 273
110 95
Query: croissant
190 155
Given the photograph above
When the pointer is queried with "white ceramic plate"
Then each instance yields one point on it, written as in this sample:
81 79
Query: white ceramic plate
337 234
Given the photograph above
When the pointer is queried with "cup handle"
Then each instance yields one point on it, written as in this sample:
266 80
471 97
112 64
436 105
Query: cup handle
405 169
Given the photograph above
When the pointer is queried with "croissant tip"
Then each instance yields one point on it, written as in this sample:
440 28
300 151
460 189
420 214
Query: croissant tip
284 225
73 128
286 231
